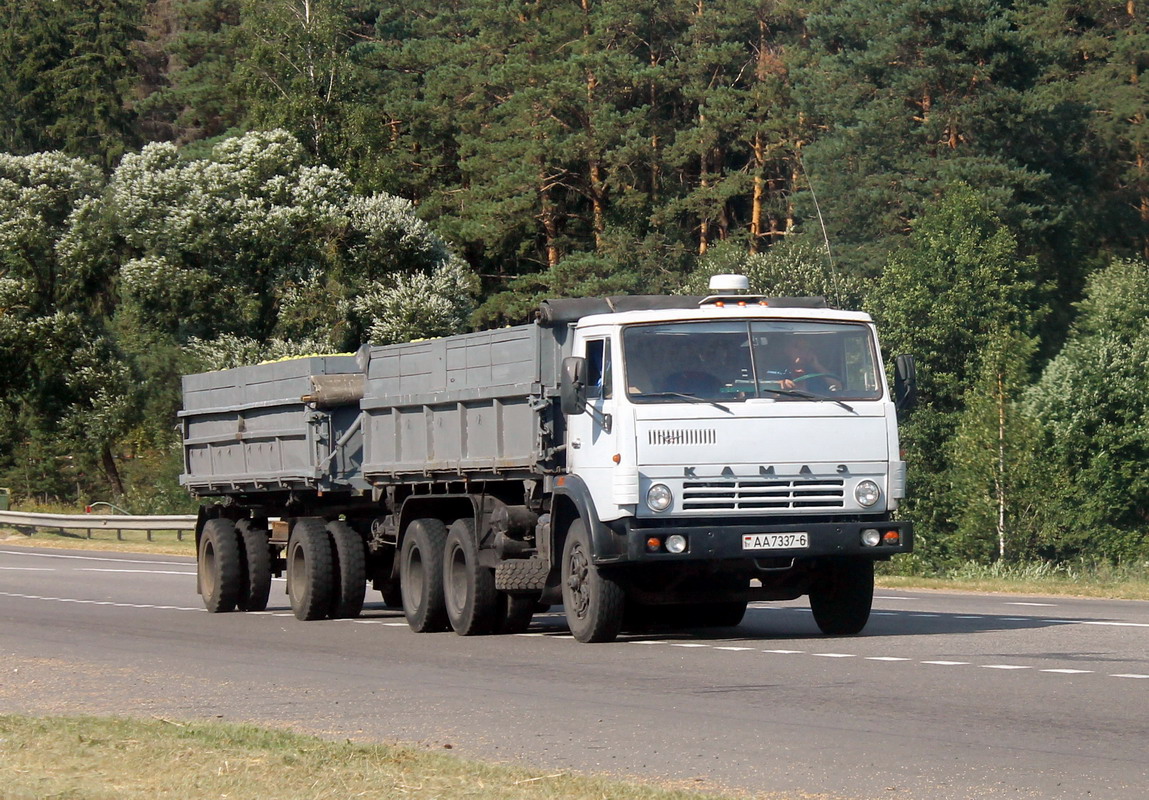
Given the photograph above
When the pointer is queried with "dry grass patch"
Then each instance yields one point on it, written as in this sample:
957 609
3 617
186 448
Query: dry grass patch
117 759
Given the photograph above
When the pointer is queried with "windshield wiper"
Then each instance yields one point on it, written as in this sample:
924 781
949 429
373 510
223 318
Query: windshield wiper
807 396
691 397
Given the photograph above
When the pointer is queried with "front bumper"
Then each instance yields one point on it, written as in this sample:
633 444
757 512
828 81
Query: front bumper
711 541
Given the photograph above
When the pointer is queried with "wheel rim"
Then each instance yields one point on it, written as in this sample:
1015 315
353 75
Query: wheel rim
456 588
577 583
208 568
412 585
298 575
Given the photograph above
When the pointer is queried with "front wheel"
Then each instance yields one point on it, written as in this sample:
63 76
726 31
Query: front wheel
842 595
593 602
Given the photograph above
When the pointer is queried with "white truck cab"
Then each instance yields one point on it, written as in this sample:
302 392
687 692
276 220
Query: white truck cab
745 442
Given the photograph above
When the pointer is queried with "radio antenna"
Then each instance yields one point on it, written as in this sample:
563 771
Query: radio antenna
822 222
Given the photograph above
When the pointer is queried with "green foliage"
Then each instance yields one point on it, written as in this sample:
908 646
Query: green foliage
1092 402
958 298
254 243
66 76
798 267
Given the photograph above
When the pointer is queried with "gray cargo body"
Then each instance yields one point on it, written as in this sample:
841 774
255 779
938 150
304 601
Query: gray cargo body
475 404
249 429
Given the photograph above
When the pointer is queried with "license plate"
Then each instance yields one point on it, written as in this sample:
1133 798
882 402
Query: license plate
775 541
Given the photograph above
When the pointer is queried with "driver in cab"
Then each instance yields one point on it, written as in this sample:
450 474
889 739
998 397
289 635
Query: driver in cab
803 369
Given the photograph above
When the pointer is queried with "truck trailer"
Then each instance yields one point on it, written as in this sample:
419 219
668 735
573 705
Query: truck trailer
643 461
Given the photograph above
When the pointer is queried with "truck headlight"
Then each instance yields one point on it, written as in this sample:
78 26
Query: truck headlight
867 493
659 497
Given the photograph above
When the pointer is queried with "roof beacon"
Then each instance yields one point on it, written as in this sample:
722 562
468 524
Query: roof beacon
729 283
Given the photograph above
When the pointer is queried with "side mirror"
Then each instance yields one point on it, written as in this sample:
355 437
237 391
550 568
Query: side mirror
905 383
572 390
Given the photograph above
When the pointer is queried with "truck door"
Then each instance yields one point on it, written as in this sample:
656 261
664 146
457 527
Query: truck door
592 434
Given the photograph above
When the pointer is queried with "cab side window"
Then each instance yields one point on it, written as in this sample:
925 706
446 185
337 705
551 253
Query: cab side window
598 369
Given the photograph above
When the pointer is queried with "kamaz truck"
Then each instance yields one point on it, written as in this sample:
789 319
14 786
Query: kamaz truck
642 461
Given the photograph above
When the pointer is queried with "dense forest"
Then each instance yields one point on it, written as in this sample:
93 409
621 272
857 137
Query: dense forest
191 184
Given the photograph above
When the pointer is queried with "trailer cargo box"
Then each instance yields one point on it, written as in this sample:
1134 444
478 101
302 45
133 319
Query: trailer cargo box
250 428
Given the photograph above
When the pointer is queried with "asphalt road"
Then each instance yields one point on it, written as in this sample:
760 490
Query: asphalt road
942 696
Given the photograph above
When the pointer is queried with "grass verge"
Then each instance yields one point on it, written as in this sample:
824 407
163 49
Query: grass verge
97 758
163 542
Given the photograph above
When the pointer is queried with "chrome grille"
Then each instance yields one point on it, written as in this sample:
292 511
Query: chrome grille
757 494
685 436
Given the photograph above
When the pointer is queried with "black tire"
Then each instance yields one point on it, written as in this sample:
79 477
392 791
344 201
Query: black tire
421 576
257 566
842 595
350 561
593 602
310 569
220 566
516 612
468 588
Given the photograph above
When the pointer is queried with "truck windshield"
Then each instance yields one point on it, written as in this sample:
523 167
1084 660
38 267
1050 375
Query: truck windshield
739 360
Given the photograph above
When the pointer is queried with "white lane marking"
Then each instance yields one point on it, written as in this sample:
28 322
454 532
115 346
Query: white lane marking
1130 675
834 655
1101 623
734 648
1035 605
969 616
1069 671
94 558
886 658
29 569
648 641
1003 666
785 652
948 663
925 615
140 571
98 602
688 644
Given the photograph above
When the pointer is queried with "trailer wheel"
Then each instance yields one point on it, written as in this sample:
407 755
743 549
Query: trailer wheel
219 565
421 576
468 588
350 584
310 569
516 612
257 562
594 603
842 595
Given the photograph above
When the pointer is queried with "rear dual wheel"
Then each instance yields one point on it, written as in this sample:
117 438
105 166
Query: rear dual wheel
468 587
234 565
326 569
220 566
444 585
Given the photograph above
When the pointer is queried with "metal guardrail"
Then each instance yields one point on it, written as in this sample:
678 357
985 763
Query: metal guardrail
101 522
